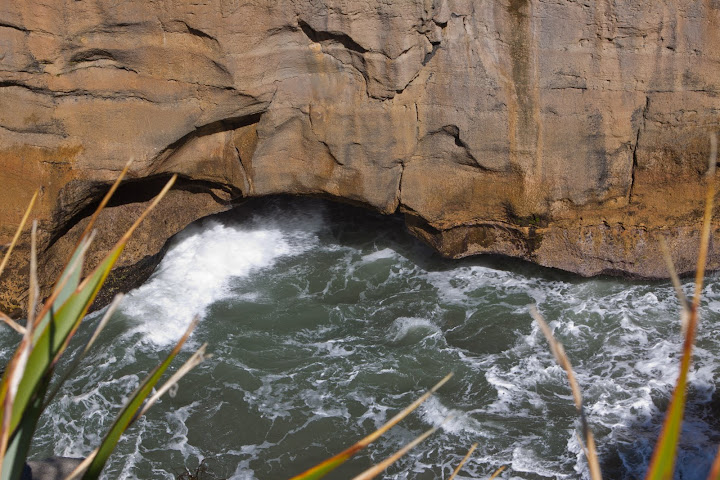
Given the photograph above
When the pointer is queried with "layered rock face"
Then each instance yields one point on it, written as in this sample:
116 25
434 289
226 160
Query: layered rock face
569 133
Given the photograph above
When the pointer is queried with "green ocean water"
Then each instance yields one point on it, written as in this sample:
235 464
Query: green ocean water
325 320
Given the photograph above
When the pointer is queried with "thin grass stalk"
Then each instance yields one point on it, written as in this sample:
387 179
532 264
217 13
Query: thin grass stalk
196 359
376 470
101 326
34 291
707 226
325 467
675 281
83 242
124 239
105 200
462 462
18 232
128 413
12 372
149 209
8 372
662 463
103 322
497 472
83 466
393 421
562 359
715 469
581 442
12 324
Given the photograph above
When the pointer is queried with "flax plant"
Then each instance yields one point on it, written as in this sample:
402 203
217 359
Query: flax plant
45 336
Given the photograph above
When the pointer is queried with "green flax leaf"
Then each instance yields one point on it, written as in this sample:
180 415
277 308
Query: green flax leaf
52 341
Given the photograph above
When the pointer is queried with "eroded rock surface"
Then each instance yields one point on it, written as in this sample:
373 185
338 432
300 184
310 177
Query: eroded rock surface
569 133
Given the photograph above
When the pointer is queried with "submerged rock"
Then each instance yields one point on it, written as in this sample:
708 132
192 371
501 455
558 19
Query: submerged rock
570 134
53 468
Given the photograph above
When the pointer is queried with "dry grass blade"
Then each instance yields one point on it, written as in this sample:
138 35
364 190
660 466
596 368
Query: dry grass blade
103 322
323 468
13 377
581 443
560 356
462 462
80 469
676 283
715 470
106 199
86 239
662 463
34 290
196 359
376 470
497 472
12 324
83 242
393 421
124 239
129 412
18 231
562 359
707 226
149 209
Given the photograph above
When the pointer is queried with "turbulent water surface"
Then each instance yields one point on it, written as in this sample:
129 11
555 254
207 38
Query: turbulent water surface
325 320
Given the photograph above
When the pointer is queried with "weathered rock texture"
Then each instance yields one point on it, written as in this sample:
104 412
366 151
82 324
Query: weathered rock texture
571 133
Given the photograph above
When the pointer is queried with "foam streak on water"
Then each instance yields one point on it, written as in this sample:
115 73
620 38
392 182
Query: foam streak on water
325 321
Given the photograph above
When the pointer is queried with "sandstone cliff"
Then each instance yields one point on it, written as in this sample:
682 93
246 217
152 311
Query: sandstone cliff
569 133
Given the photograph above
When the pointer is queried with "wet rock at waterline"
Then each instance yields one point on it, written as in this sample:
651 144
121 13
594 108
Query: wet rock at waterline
54 468
569 134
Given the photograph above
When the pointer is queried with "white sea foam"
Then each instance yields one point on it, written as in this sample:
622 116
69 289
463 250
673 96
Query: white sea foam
197 269
452 421
402 327
382 254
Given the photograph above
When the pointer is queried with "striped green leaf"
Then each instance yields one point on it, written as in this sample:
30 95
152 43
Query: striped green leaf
52 340
19 446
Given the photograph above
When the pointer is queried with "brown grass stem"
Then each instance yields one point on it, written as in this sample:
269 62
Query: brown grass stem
18 232
562 359
497 472
463 461
12 324
105 200
376 470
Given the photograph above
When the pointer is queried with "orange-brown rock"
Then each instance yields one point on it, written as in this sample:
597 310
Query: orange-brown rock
572 134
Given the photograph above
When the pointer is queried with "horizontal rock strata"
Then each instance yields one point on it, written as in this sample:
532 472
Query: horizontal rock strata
571 134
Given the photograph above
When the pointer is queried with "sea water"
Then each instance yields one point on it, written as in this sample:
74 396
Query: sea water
325 320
